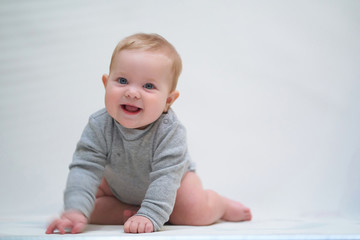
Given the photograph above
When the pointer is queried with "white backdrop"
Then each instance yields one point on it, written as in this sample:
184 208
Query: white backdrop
269 96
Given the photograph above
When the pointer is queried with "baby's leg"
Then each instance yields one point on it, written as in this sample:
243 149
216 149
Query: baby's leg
196 206
108 209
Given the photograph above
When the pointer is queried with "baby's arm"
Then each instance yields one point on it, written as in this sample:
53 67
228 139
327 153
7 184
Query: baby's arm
168 165
72 219
85 174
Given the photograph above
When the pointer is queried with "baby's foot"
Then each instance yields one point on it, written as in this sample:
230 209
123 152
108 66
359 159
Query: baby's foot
236 212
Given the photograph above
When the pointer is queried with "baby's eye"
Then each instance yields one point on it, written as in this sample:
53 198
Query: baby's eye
149 86
122 80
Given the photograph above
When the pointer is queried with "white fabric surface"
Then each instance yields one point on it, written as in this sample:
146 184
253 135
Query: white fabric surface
31 227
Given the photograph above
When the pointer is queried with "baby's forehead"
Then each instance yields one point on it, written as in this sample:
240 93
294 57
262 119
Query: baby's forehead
162 52
129 53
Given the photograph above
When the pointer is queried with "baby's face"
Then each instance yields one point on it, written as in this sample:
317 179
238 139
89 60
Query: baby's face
137 91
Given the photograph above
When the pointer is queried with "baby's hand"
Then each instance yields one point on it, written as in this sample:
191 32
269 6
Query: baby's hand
73 220
138 224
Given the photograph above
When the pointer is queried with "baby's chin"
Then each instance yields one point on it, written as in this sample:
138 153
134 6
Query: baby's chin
134 121
133 124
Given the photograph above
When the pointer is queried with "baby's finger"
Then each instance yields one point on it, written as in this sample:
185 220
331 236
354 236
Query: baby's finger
141 227
51 228
134 227
63 225
61 228
149 228
127 226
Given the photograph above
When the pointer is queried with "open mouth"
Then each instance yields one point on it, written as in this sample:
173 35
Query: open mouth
130 109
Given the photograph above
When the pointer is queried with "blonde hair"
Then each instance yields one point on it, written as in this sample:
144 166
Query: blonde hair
151 42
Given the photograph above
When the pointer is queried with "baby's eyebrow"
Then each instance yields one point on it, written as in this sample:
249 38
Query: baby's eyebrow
120 73
151 80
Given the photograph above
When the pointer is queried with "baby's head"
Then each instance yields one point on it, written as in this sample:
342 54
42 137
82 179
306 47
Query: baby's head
151 43
141 84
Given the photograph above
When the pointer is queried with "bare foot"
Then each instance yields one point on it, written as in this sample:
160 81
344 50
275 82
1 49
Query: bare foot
236 212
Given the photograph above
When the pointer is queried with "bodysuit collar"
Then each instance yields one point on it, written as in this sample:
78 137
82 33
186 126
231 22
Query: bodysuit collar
132 134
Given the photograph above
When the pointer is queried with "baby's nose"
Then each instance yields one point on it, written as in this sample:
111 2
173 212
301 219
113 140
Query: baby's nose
132 93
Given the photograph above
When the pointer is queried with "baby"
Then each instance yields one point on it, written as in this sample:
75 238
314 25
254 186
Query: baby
131 166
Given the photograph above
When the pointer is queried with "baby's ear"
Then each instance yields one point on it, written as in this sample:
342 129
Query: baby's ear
171 99
105 79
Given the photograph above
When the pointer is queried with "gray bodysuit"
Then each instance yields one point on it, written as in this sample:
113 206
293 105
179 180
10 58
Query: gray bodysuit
142 167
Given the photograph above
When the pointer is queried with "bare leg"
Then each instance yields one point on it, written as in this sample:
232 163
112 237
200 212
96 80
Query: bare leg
196 206
109 210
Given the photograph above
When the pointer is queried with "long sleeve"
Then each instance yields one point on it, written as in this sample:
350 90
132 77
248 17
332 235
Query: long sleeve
86 169
169 164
